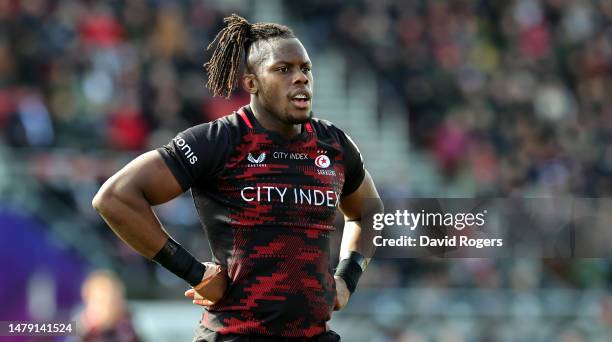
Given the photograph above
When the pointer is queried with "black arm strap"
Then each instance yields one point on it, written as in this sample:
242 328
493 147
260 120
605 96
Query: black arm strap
350 270
180 262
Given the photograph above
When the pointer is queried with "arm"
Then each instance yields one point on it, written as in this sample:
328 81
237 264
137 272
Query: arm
357 206
125 202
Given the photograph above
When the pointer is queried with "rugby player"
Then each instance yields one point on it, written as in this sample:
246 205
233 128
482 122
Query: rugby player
266 181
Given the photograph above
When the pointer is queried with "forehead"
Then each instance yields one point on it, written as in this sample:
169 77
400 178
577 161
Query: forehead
283 50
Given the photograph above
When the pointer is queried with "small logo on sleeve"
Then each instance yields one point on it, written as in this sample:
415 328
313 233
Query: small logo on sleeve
186 150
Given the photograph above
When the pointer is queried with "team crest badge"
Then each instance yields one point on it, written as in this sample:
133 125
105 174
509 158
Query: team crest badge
322 161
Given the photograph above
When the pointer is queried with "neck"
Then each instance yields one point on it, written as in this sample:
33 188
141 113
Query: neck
272 123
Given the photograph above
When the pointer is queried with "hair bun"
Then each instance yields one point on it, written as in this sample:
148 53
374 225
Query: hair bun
237 21
230 46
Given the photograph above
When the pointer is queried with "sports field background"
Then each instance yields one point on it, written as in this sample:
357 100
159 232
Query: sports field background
444 98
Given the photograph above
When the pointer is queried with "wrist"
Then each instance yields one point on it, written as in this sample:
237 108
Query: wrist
361 260
179 261
350 269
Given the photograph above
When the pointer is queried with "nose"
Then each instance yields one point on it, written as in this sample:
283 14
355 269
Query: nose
300 78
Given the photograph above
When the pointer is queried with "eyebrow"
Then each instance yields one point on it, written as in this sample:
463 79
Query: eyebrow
286 62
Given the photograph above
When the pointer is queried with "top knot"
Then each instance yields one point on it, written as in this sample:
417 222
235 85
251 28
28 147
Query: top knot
232 43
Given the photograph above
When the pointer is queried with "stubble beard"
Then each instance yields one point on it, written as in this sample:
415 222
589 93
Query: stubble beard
285 116
297 121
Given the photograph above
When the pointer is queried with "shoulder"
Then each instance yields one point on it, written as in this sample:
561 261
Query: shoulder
226 128
329 132
227 123
230 121
326 129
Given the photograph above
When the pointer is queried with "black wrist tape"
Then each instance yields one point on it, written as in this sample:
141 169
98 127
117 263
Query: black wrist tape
180 262
350 271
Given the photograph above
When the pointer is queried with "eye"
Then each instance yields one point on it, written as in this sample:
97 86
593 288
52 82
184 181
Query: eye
306 69
283 69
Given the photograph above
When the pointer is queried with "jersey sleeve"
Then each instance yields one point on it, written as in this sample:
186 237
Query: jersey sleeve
353 163
197 154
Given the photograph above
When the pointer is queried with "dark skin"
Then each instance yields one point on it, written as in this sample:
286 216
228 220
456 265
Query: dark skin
279 69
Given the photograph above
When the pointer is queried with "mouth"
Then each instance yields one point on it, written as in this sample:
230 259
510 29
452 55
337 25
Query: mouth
301 99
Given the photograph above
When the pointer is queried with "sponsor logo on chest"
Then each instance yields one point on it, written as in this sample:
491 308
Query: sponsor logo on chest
256 160
321 161
298 195
289 155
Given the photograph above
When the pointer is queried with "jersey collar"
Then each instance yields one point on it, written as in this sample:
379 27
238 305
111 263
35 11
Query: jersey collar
307 129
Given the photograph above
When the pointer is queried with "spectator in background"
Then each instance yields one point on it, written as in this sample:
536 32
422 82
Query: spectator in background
105 316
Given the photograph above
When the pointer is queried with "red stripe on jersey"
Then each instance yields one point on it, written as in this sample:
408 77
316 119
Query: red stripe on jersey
308 127
245 118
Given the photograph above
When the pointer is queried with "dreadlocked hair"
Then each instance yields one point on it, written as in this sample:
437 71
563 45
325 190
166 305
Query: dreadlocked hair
233 42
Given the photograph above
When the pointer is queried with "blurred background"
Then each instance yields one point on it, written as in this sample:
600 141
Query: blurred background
444 98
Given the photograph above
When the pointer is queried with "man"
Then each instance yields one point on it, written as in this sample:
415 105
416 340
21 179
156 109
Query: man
266 181
105 316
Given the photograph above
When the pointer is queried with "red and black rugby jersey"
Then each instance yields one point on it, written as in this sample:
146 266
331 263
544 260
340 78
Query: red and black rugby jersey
268 204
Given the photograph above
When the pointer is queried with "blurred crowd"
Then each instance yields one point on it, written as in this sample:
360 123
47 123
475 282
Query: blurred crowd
509 95
112 75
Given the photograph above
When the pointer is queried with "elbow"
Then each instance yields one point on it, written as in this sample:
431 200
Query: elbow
115 194
374 206
101 200
106 198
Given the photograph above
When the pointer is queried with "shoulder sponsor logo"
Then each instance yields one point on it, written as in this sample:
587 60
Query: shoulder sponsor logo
258 160
186 150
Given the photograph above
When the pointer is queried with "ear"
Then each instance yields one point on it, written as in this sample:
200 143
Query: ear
250 83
